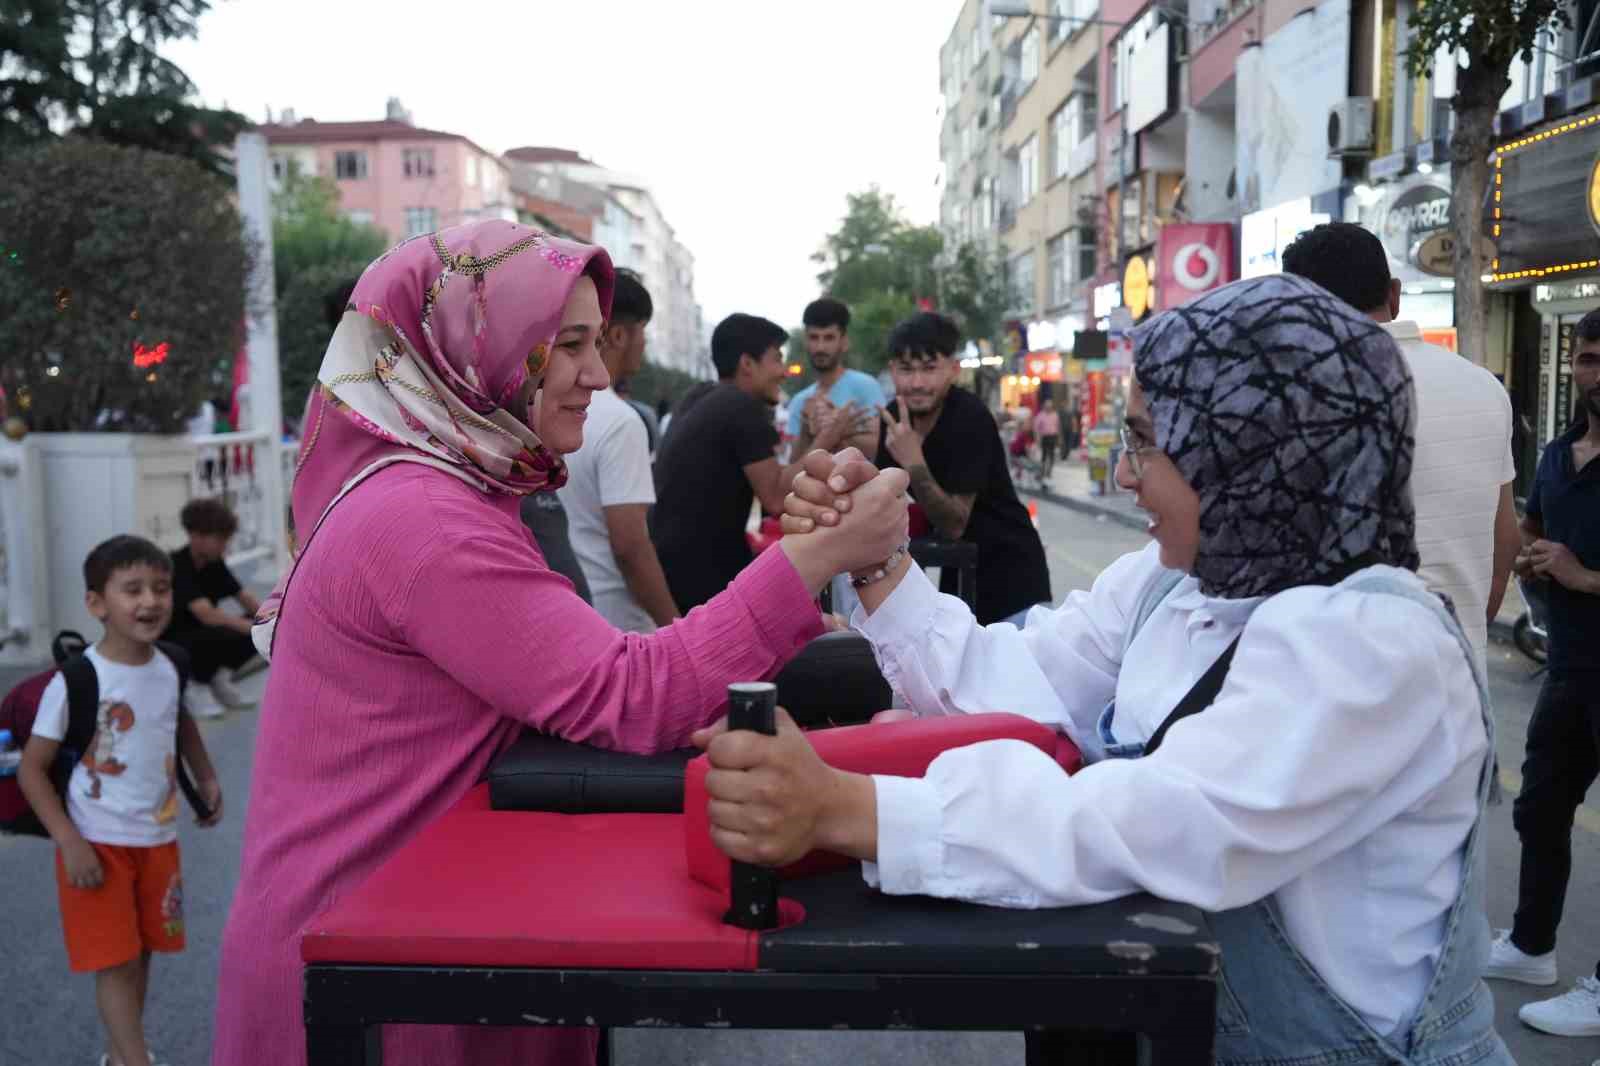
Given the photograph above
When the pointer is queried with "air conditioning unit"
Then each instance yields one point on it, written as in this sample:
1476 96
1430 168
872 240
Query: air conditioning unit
1350 126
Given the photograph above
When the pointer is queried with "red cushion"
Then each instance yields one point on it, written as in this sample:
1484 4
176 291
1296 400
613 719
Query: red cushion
904 749
508 888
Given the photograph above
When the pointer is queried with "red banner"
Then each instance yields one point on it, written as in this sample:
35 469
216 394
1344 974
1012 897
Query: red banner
1193 258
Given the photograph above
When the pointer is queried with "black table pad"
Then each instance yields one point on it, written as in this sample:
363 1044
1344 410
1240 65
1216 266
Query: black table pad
853 928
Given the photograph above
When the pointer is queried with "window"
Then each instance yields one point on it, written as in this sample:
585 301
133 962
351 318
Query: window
421 220
1028 165
417 162
1088 253
1060 281
983 206
1030 58
1061 141
280 167
472 170
350 166
1059 26
1022 282
359 217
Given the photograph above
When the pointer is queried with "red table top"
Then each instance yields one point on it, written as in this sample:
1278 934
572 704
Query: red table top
504 888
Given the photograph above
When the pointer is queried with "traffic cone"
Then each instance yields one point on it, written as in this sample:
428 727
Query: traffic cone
1033 513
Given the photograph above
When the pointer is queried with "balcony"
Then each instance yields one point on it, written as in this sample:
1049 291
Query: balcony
1006 217
1208 18
1082 156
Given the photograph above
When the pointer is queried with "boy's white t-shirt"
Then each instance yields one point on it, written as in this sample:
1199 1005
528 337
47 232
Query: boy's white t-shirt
125 788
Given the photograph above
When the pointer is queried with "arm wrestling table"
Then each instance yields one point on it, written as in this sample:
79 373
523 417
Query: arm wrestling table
609 920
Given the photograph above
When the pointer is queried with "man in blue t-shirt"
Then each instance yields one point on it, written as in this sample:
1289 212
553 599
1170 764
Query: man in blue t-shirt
841 408
1562 532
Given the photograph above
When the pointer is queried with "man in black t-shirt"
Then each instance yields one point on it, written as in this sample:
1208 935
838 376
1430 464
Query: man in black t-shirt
946 439
719 457
213 637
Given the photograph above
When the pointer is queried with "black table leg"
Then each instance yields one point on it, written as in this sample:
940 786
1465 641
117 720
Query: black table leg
328 1044
1059 1047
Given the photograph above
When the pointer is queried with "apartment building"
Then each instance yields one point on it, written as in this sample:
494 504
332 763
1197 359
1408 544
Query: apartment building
392 174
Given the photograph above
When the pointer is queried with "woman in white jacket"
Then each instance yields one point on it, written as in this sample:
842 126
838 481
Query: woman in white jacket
1324 804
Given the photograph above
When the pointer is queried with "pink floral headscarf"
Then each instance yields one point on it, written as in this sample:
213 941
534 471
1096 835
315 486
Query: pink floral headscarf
441 334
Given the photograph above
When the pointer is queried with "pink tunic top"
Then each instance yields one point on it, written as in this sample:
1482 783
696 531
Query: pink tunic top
420 634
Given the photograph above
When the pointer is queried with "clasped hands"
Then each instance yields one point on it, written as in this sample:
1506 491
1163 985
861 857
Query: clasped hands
773 799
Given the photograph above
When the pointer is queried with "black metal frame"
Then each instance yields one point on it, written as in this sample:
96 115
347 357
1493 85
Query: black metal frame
960 554
1161 1020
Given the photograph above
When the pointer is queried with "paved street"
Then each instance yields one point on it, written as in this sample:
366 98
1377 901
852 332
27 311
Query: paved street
50 1018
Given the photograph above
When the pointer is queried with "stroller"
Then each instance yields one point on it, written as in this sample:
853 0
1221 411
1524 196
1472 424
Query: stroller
1027 473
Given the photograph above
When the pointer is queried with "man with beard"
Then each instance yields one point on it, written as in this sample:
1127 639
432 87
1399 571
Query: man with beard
841 407
720 457
944 437
1561 528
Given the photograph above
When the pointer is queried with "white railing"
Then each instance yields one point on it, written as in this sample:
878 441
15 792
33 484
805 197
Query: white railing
229 466
13 609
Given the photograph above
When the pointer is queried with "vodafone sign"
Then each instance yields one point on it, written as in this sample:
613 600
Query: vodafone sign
1193 258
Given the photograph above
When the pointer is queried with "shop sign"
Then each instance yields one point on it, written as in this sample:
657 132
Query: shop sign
1594 194
1046 366
1562 293
1263 235
1106 297
1136 290
1191 259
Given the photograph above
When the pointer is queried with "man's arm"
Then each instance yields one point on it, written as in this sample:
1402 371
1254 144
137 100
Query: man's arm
209 614
1507 545
636 558
248 601
947 513
771 482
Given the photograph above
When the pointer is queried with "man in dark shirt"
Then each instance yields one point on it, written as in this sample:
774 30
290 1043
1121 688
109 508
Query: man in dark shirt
719 457
946 439
1561 529
214 638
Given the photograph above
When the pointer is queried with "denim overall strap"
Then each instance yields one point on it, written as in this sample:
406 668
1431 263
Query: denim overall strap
1104 743
1274 1008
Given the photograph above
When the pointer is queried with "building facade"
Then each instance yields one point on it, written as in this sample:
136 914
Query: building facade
628 223
402 178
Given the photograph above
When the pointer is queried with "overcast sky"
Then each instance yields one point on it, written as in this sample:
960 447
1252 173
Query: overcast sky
750 120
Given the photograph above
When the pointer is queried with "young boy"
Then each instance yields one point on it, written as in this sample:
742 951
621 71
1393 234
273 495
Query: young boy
213 637
117 859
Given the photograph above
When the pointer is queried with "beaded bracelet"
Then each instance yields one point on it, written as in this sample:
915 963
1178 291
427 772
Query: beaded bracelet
883 571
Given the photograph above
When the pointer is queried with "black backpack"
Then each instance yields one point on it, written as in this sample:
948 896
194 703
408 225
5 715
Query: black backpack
21 704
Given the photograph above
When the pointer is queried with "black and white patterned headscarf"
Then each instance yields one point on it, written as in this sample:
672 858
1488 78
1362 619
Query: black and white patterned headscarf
1291 416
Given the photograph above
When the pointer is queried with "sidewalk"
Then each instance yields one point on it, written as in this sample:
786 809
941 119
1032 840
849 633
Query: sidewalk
1069 486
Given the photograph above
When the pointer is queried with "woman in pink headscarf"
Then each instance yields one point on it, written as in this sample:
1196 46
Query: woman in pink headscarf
420 630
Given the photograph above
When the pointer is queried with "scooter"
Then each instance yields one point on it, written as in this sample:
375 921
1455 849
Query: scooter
1529 632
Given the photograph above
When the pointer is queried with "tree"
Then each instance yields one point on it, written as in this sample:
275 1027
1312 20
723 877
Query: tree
1486 35
94 67
884 268
126 302
315 249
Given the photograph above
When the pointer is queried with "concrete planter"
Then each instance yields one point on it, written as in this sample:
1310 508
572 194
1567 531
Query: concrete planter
93 486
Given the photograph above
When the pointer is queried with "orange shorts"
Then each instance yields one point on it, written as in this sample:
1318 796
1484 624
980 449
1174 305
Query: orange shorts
137 908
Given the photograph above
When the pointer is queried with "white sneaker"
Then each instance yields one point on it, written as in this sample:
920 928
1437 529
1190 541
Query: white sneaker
223 689
1507 962
202 702
1575 1012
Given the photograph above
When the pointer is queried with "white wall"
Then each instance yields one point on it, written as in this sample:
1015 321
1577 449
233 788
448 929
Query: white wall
1208 160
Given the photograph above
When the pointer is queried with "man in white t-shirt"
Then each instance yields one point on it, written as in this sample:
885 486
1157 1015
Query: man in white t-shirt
610 488
1461 476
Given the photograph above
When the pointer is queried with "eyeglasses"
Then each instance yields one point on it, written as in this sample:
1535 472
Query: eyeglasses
1133 448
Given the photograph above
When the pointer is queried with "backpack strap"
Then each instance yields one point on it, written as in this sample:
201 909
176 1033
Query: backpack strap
1205 691
179 657
83 703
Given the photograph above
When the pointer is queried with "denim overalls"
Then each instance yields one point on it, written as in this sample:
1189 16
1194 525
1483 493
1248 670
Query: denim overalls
1273 1009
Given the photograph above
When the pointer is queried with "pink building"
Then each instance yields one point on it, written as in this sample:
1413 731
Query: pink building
399 177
